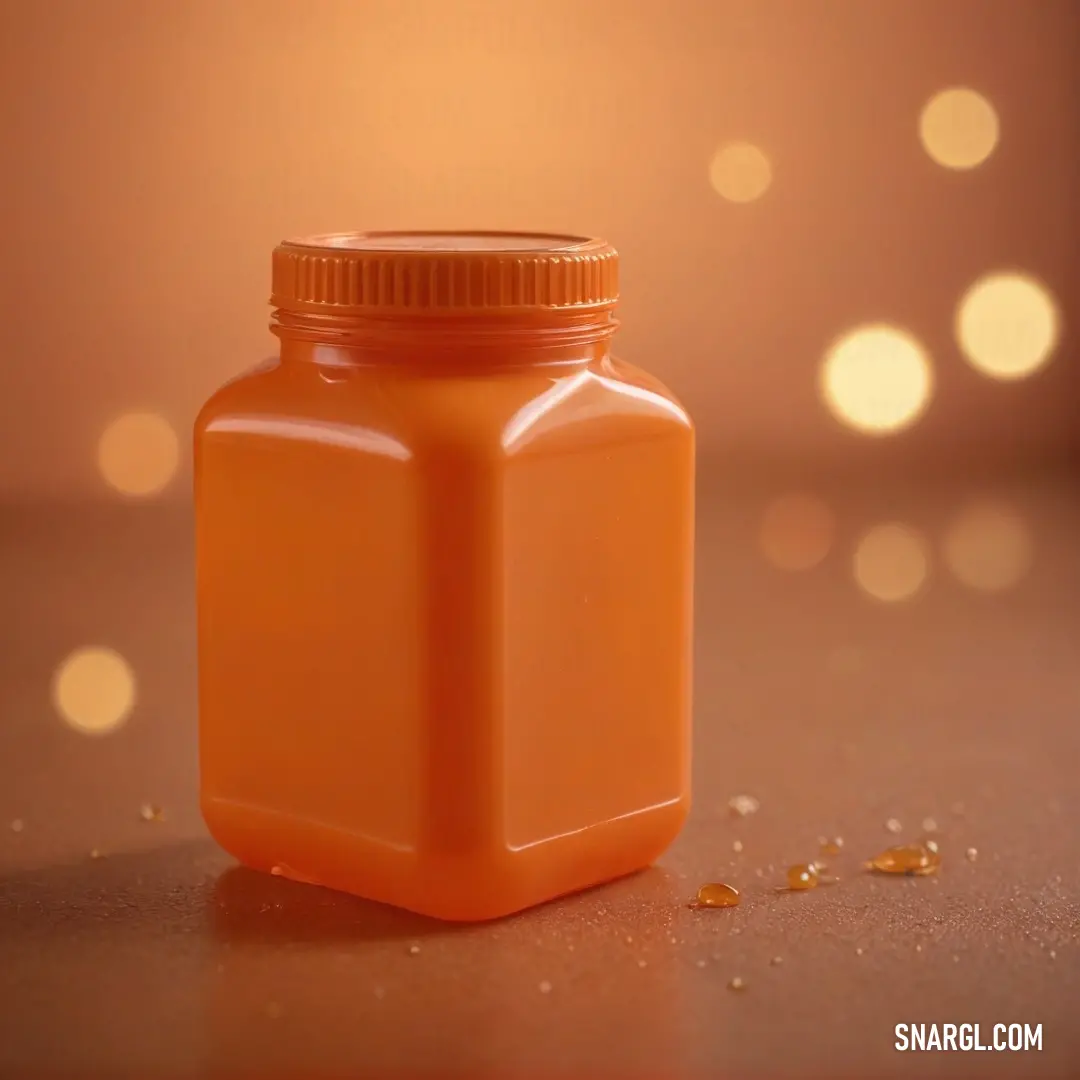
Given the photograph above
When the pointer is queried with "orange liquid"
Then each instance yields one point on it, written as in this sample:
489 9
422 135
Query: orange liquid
444 621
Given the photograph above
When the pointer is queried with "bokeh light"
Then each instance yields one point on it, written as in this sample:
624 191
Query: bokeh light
988 546
1007 325
796 531
139 453
877 379
891 562
958 128
740 172
94 690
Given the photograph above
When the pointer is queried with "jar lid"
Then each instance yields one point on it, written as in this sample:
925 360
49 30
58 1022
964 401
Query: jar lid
476 273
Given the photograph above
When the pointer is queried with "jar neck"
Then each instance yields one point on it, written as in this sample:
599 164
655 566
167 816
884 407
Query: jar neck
532 339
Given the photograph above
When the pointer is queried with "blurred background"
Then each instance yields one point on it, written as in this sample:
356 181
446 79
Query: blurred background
849 237
778 176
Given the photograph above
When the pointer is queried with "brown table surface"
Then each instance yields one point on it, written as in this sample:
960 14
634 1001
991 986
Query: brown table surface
835 711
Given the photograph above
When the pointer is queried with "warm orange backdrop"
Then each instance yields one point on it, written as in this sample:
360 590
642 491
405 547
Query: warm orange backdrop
155 150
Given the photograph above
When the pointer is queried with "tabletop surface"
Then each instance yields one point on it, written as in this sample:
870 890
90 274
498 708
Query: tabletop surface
134 947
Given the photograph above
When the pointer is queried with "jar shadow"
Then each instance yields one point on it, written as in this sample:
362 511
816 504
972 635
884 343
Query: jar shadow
251 907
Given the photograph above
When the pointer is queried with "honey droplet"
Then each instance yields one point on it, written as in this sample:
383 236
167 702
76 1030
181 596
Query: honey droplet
893 825
831 847
802 876
737 983
931 845
717 894
776 961
929 825
972 854
544 987
276 871
737 846
906 859
150 812
18 825
96 854
414 950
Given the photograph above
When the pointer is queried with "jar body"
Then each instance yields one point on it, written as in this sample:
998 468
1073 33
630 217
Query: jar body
444 626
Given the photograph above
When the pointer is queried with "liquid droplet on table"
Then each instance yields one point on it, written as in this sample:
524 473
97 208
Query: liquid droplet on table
906 859
717 895
802 876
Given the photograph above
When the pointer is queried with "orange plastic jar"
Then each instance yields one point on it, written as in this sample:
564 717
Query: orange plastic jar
444 561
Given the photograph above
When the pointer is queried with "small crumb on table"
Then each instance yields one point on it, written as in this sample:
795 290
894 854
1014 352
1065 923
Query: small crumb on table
742 805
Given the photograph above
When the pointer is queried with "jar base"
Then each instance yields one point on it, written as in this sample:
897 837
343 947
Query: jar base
474 886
